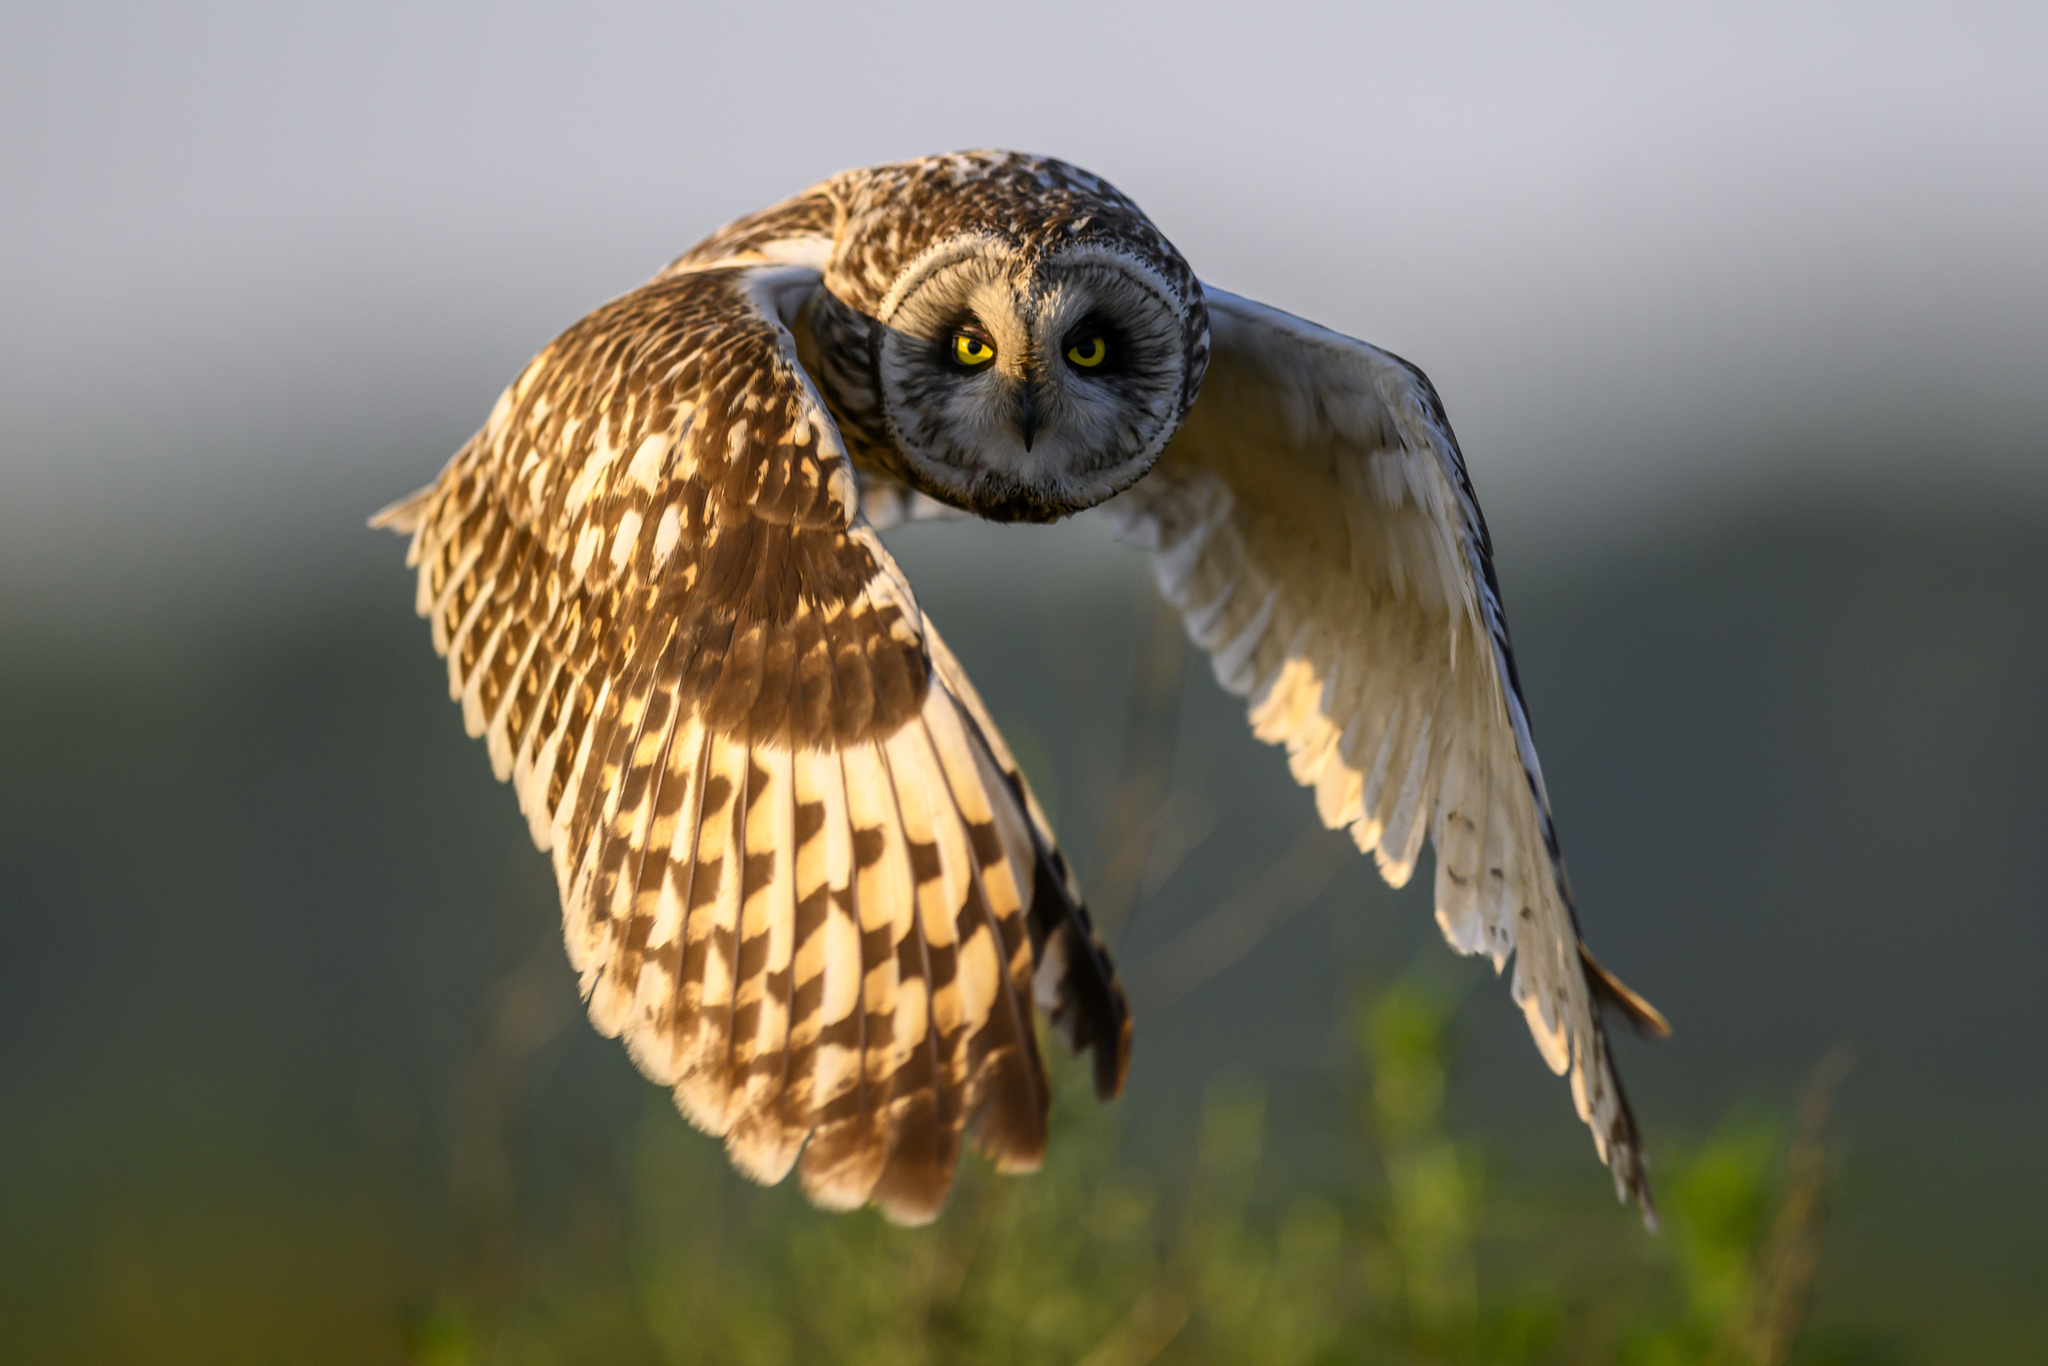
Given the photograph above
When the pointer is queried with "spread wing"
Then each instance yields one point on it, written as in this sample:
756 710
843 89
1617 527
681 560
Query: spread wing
1314 524
800 874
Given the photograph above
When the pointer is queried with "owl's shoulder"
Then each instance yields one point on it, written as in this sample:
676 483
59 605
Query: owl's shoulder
798 231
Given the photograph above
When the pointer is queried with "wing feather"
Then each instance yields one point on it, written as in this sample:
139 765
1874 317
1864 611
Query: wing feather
761 1143
995 955
703 1088
922 1089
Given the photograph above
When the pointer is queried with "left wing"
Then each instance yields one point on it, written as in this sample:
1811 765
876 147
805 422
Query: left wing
800 875
1313 522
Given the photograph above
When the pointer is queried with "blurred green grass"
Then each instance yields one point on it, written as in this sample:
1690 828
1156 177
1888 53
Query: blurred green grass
1223 1258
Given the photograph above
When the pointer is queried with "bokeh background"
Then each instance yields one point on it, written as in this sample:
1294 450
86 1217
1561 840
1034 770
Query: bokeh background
1741 312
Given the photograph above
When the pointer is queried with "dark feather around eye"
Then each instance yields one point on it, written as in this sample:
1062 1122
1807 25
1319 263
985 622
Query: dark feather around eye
943 341
1113 337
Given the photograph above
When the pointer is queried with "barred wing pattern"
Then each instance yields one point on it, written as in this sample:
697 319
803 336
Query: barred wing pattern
1314 524
800 873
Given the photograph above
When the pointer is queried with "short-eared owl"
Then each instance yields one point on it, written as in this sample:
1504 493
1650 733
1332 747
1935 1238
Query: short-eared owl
800 873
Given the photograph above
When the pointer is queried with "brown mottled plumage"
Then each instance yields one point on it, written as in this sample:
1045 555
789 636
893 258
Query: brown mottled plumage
801 875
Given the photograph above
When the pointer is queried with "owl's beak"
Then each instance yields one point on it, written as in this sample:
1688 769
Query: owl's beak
1027 416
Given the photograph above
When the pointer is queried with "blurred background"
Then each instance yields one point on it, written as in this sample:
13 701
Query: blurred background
1741 313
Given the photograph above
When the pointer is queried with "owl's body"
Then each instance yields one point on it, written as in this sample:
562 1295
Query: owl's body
801 875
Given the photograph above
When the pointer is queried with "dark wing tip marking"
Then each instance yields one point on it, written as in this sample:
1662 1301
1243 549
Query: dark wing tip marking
1625 1156
1087 1001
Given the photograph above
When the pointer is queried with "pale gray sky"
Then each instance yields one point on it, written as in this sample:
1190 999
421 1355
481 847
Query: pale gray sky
262 267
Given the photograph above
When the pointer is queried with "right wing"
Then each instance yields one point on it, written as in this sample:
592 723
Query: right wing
799 872
1314 525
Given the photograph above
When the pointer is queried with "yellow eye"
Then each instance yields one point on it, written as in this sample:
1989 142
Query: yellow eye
972 351
1090 353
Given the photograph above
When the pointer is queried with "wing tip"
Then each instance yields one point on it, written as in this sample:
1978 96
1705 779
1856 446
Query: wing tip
1621 1144
1644 1202
762 1148
1086 1001
1631 1169
405 515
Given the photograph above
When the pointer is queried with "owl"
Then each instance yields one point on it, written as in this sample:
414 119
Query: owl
802 876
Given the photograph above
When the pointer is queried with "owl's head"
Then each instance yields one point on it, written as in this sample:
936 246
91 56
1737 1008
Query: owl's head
1026 381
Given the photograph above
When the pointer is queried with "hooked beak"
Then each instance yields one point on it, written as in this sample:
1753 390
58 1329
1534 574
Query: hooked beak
1027 419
